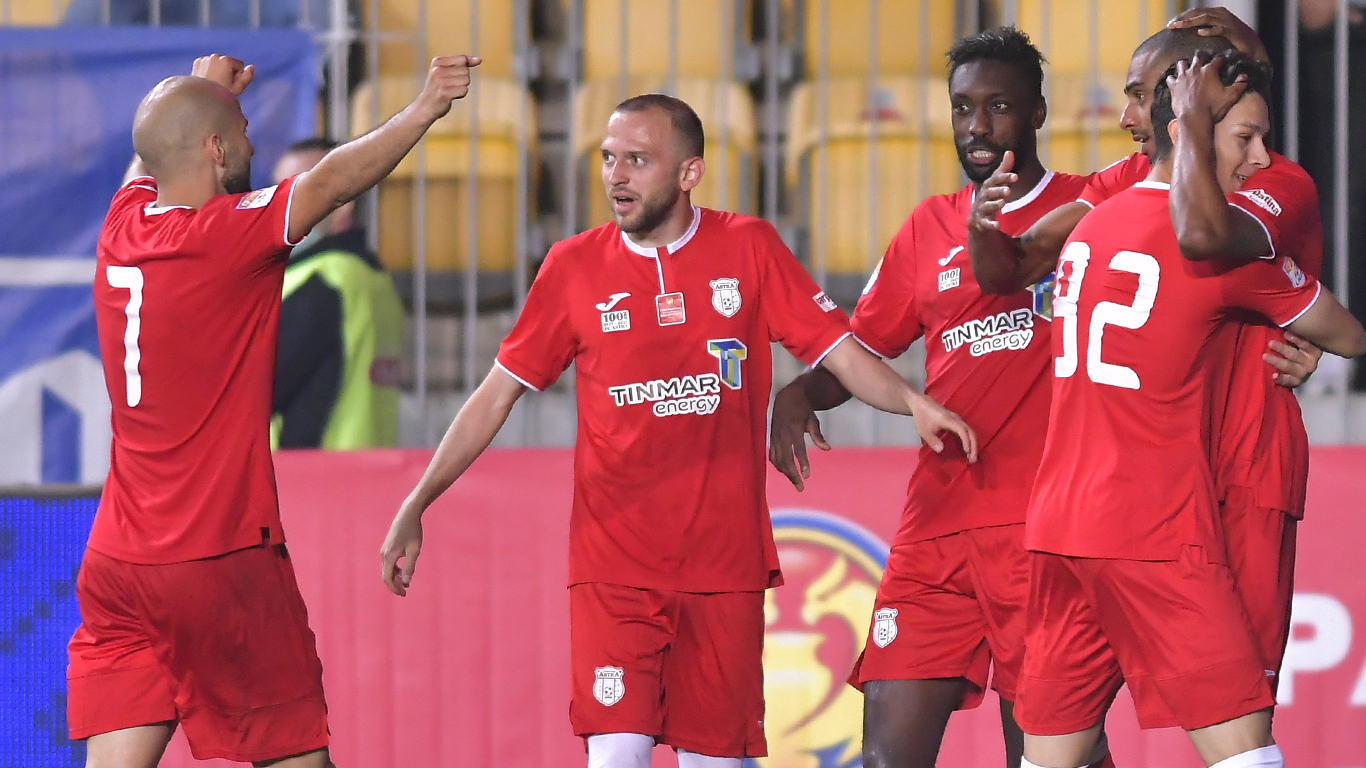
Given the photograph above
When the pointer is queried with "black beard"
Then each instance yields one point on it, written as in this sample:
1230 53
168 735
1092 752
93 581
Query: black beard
238 183
651 216
980 176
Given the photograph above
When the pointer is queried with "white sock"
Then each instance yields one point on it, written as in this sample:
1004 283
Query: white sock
688 759
619 750
1026 764
1262 757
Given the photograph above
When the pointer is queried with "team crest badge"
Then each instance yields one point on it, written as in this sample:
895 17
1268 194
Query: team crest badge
884 626
608 688
1293 271
725 295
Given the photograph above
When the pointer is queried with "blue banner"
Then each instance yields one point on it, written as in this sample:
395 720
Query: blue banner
67 98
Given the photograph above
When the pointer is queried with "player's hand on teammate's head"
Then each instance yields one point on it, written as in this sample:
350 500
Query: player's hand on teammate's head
447 80
1295 360
793 420
933 419
1198 89
404 542
1221 22
991 198
225 70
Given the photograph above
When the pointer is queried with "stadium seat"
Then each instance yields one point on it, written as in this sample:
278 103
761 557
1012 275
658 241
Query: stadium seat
1075 108
447 166
899 28
702 35
448 31
903 152
34 13
718 104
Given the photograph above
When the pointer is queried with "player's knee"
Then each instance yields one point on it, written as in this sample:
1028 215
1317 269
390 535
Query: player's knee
619 750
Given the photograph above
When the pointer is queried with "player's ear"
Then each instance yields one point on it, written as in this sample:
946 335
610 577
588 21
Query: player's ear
1173 130
217 151
1040 113
690 173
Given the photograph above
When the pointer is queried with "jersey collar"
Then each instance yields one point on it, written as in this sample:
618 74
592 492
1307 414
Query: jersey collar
1032 195
1145 184
672 247
153 210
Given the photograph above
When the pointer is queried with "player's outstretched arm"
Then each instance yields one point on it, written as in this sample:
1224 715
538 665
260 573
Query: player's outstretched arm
357 165
469 435
1207 226
1003 264
1331 327
871 380
794 417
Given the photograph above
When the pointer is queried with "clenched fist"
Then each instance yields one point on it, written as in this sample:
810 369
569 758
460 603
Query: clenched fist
225 70
447 80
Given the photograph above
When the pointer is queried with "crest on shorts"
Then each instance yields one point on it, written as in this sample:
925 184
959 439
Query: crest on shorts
884 626
607 687
725 295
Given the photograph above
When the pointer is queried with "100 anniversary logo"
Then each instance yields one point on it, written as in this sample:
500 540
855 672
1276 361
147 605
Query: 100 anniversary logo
815 627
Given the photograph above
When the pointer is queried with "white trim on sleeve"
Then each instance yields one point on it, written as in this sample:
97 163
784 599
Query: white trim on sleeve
289 203
519 379
1261 224
1086 203
868 347
1318 291
831 348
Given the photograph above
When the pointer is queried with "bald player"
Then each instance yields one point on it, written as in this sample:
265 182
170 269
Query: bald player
190 614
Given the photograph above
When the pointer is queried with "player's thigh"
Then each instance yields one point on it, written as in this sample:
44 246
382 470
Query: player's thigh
233 632
714 676
1000 574
927 623
115 680
1070 674
137 747
1180 631
904 720
617 639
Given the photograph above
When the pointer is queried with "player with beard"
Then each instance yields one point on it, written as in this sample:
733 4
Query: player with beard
190 614
1261 458
951 605
667 314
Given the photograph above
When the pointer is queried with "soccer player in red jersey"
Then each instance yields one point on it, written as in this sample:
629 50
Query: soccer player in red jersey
952 600
667 314
1262 455
1129 576
190 614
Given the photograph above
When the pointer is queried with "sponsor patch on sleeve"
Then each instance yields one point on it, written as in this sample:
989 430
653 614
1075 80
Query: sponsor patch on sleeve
1263 200
259 198
1293 271
824 302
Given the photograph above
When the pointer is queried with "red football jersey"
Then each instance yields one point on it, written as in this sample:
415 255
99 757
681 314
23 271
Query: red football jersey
673 373
1139 338
987 359
1262 443
187 304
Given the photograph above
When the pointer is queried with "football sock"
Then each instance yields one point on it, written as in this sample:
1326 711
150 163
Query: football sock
620 750
688 759
1262 757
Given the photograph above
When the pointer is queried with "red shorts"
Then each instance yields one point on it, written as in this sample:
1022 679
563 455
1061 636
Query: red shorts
685 668
1261 552
1175 631
952 606
222 645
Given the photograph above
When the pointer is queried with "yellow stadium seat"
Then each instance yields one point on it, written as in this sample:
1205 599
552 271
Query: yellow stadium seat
1075 109
903 152
1066 44
35 13
447 166
732 161
703 32
899 30
448 32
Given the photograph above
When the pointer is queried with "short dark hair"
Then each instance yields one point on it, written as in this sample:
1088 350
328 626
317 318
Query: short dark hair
1004 44
685 122
1234 64
313 144
1173 45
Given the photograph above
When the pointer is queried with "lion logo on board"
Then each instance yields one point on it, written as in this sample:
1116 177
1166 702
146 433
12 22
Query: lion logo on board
725 295
607 687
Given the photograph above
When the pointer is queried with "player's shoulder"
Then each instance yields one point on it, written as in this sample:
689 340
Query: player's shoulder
589 245
1067 185
727 224
136 192
1271 187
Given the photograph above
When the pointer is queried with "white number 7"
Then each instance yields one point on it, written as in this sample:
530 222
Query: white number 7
130 278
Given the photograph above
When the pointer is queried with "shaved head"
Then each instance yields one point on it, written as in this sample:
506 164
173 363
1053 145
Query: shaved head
188 124
1169 46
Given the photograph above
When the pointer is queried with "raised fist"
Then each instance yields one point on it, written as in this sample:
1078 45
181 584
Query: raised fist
447 80
225 70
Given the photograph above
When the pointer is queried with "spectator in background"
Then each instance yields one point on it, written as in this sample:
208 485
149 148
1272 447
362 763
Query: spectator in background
222 13
341 329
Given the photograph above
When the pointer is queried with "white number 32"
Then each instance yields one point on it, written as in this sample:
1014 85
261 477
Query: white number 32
1132 316
130 278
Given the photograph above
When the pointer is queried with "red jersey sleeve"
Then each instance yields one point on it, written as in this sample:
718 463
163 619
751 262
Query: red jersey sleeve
250 228
887 318
1283 199
542 342
1115 178
1277 288
798 313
